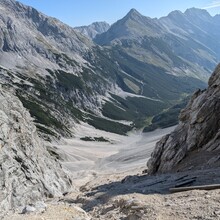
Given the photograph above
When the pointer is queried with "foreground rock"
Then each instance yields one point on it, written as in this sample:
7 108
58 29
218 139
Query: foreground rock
27 171
141 197
195 143
54 212
137 197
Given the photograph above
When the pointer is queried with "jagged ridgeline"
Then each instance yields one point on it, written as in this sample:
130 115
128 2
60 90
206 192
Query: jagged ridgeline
93 29
133 80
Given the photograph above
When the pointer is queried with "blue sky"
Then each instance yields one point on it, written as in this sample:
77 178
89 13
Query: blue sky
84 12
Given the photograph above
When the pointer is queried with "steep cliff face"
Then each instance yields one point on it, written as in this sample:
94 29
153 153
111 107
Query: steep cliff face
195 143
27 171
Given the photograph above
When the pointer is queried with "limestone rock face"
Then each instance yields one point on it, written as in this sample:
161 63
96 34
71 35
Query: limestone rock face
196 140
27 171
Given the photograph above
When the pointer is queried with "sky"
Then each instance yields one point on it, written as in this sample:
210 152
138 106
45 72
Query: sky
84 12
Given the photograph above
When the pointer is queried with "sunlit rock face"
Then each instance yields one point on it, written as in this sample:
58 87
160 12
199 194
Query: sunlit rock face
195 143
27 171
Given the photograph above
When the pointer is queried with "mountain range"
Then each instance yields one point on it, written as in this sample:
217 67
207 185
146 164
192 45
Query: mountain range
139 69
139 72
181 43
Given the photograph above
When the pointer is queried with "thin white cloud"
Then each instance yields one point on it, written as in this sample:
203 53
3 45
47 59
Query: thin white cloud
214 4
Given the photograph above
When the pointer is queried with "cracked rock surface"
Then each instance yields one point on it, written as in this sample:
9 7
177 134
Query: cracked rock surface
195 143
27 171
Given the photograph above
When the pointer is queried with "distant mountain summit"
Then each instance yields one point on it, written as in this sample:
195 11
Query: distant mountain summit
93 29
132 26
134 14
64 78
191 37
196 12
143 68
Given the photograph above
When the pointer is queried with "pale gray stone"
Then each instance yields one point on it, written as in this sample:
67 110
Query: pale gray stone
27 171
198 131
28 209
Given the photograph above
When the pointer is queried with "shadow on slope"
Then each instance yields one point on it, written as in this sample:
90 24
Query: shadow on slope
144 184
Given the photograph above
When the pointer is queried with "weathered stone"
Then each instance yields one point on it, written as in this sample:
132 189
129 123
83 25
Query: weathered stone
40 206
198 132
27 171
28 209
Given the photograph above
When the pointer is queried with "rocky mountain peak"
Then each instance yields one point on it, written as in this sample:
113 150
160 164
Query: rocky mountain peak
217 16
35 36
133 13
93 29
137 17
195 143
174 14
100 24
133 26
197 12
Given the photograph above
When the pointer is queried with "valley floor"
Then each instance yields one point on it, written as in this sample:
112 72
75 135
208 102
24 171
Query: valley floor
121 154
110 183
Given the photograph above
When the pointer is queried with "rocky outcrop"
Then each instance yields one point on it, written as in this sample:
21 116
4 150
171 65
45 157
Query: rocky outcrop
27 171
195 143
93 29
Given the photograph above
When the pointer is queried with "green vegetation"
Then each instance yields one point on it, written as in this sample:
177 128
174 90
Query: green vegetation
41 116
62 59
98 139
149 44
69 81
107 125
135 109
116 111
167 118
155 82
75 112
